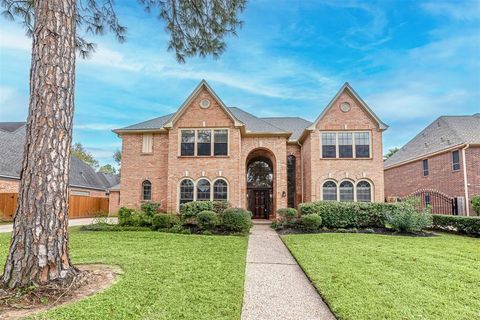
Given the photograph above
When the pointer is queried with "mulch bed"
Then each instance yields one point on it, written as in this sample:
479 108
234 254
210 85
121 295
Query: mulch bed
92 279
382 231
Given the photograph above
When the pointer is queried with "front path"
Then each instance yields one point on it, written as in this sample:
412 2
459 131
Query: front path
275 286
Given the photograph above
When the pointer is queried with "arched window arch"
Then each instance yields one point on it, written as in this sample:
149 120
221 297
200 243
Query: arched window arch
329 190
364 191
186 191
203 190
346 191
146 190
220 190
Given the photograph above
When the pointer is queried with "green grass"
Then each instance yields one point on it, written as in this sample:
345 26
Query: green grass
167 276
364 276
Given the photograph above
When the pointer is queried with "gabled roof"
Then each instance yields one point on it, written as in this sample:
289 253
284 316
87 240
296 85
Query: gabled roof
152 124
255 124
80 175
296 125
444 133
11 126
202 85
346 87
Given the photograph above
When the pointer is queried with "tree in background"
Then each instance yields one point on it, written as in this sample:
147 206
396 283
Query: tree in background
390 153
108 168
81 153
38 253
117 156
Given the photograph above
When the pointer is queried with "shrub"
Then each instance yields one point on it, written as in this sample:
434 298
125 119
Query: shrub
406 218
349 214
111 227
150 208
465 225
287 214
124 216
192 209
140 219
220 206
164 221
476 204
207 220
237 220
311 222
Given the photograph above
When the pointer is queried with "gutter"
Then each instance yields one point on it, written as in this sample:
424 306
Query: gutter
465 179
423 156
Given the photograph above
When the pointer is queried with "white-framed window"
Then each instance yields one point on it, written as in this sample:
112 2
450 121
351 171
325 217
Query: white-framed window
203 190
147 145
203 142
456 160
329 191
146 190
346 191
345 144
425 167
364 191
186 191
220 190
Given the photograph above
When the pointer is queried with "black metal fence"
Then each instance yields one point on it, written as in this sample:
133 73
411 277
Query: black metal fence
439 202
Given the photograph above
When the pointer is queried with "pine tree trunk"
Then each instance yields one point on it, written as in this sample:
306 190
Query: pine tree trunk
39 247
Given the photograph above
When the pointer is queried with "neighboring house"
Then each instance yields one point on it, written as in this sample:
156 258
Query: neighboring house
84 181
208 151
442 160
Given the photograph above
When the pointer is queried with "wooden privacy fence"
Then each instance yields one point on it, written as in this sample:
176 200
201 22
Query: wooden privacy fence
79 206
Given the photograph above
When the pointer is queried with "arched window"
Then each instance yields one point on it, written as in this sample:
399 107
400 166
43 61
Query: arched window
220 190
186 191
329 191
364 191
146 190
346 191
203 190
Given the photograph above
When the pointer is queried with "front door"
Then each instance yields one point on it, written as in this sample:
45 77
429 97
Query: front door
259 203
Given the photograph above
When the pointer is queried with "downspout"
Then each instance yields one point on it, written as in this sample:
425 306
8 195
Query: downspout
301 167
465 179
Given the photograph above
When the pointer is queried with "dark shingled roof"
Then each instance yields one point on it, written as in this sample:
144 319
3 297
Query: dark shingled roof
254 124
155 123
296 125
443 133
10 126
81 174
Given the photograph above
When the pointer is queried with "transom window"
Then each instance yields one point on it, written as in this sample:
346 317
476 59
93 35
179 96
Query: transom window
146 190
220 190
203 190
329 191
345 144
456 160
364 191
204 142
346 191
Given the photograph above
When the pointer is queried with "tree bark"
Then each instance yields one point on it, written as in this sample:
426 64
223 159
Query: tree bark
39 246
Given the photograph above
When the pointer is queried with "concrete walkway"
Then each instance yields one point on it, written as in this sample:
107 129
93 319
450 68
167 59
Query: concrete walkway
4 228
275 286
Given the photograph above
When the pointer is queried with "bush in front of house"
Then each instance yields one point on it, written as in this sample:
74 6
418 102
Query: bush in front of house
349 214
207 220
164 221
476 204
236 220
150 208
192 209
124 215
311 222
406 218
460 224
287 214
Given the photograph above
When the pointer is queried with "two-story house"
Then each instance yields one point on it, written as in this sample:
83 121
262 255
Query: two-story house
208 151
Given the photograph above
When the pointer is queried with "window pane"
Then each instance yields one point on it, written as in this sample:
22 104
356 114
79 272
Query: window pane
346 191
425 167
147 146
345 147
187 147
329 145
330 191
291 181
364 193
203 190
204 142
146 190
220 147
456 160
220 190
186 191
362 144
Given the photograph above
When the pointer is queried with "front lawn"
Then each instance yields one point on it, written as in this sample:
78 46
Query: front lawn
364 276
167 276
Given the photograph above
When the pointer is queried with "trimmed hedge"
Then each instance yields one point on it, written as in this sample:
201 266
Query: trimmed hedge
460 224
164 221
311 222
287 214
349 214
192 209
207 220
237 220
476 204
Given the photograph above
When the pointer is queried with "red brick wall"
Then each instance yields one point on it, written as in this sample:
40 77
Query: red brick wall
472 156
114 202
294 149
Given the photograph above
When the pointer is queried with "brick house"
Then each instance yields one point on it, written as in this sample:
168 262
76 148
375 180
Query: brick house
443 158
208 151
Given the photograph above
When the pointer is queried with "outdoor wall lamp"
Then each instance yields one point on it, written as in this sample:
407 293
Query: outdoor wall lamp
284 194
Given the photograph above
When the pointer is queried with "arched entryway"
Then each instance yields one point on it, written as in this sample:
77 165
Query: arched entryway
260 183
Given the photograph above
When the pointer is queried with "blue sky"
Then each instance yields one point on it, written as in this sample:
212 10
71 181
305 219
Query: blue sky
411 61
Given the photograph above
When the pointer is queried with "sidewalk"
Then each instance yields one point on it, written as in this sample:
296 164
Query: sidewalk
71 223
275 286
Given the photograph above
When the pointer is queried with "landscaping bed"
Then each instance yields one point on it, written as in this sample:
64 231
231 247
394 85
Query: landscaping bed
368 276
166 276
380 231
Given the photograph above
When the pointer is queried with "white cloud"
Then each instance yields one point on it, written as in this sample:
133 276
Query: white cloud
457 10
13 106
96 126
106 57
14 39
